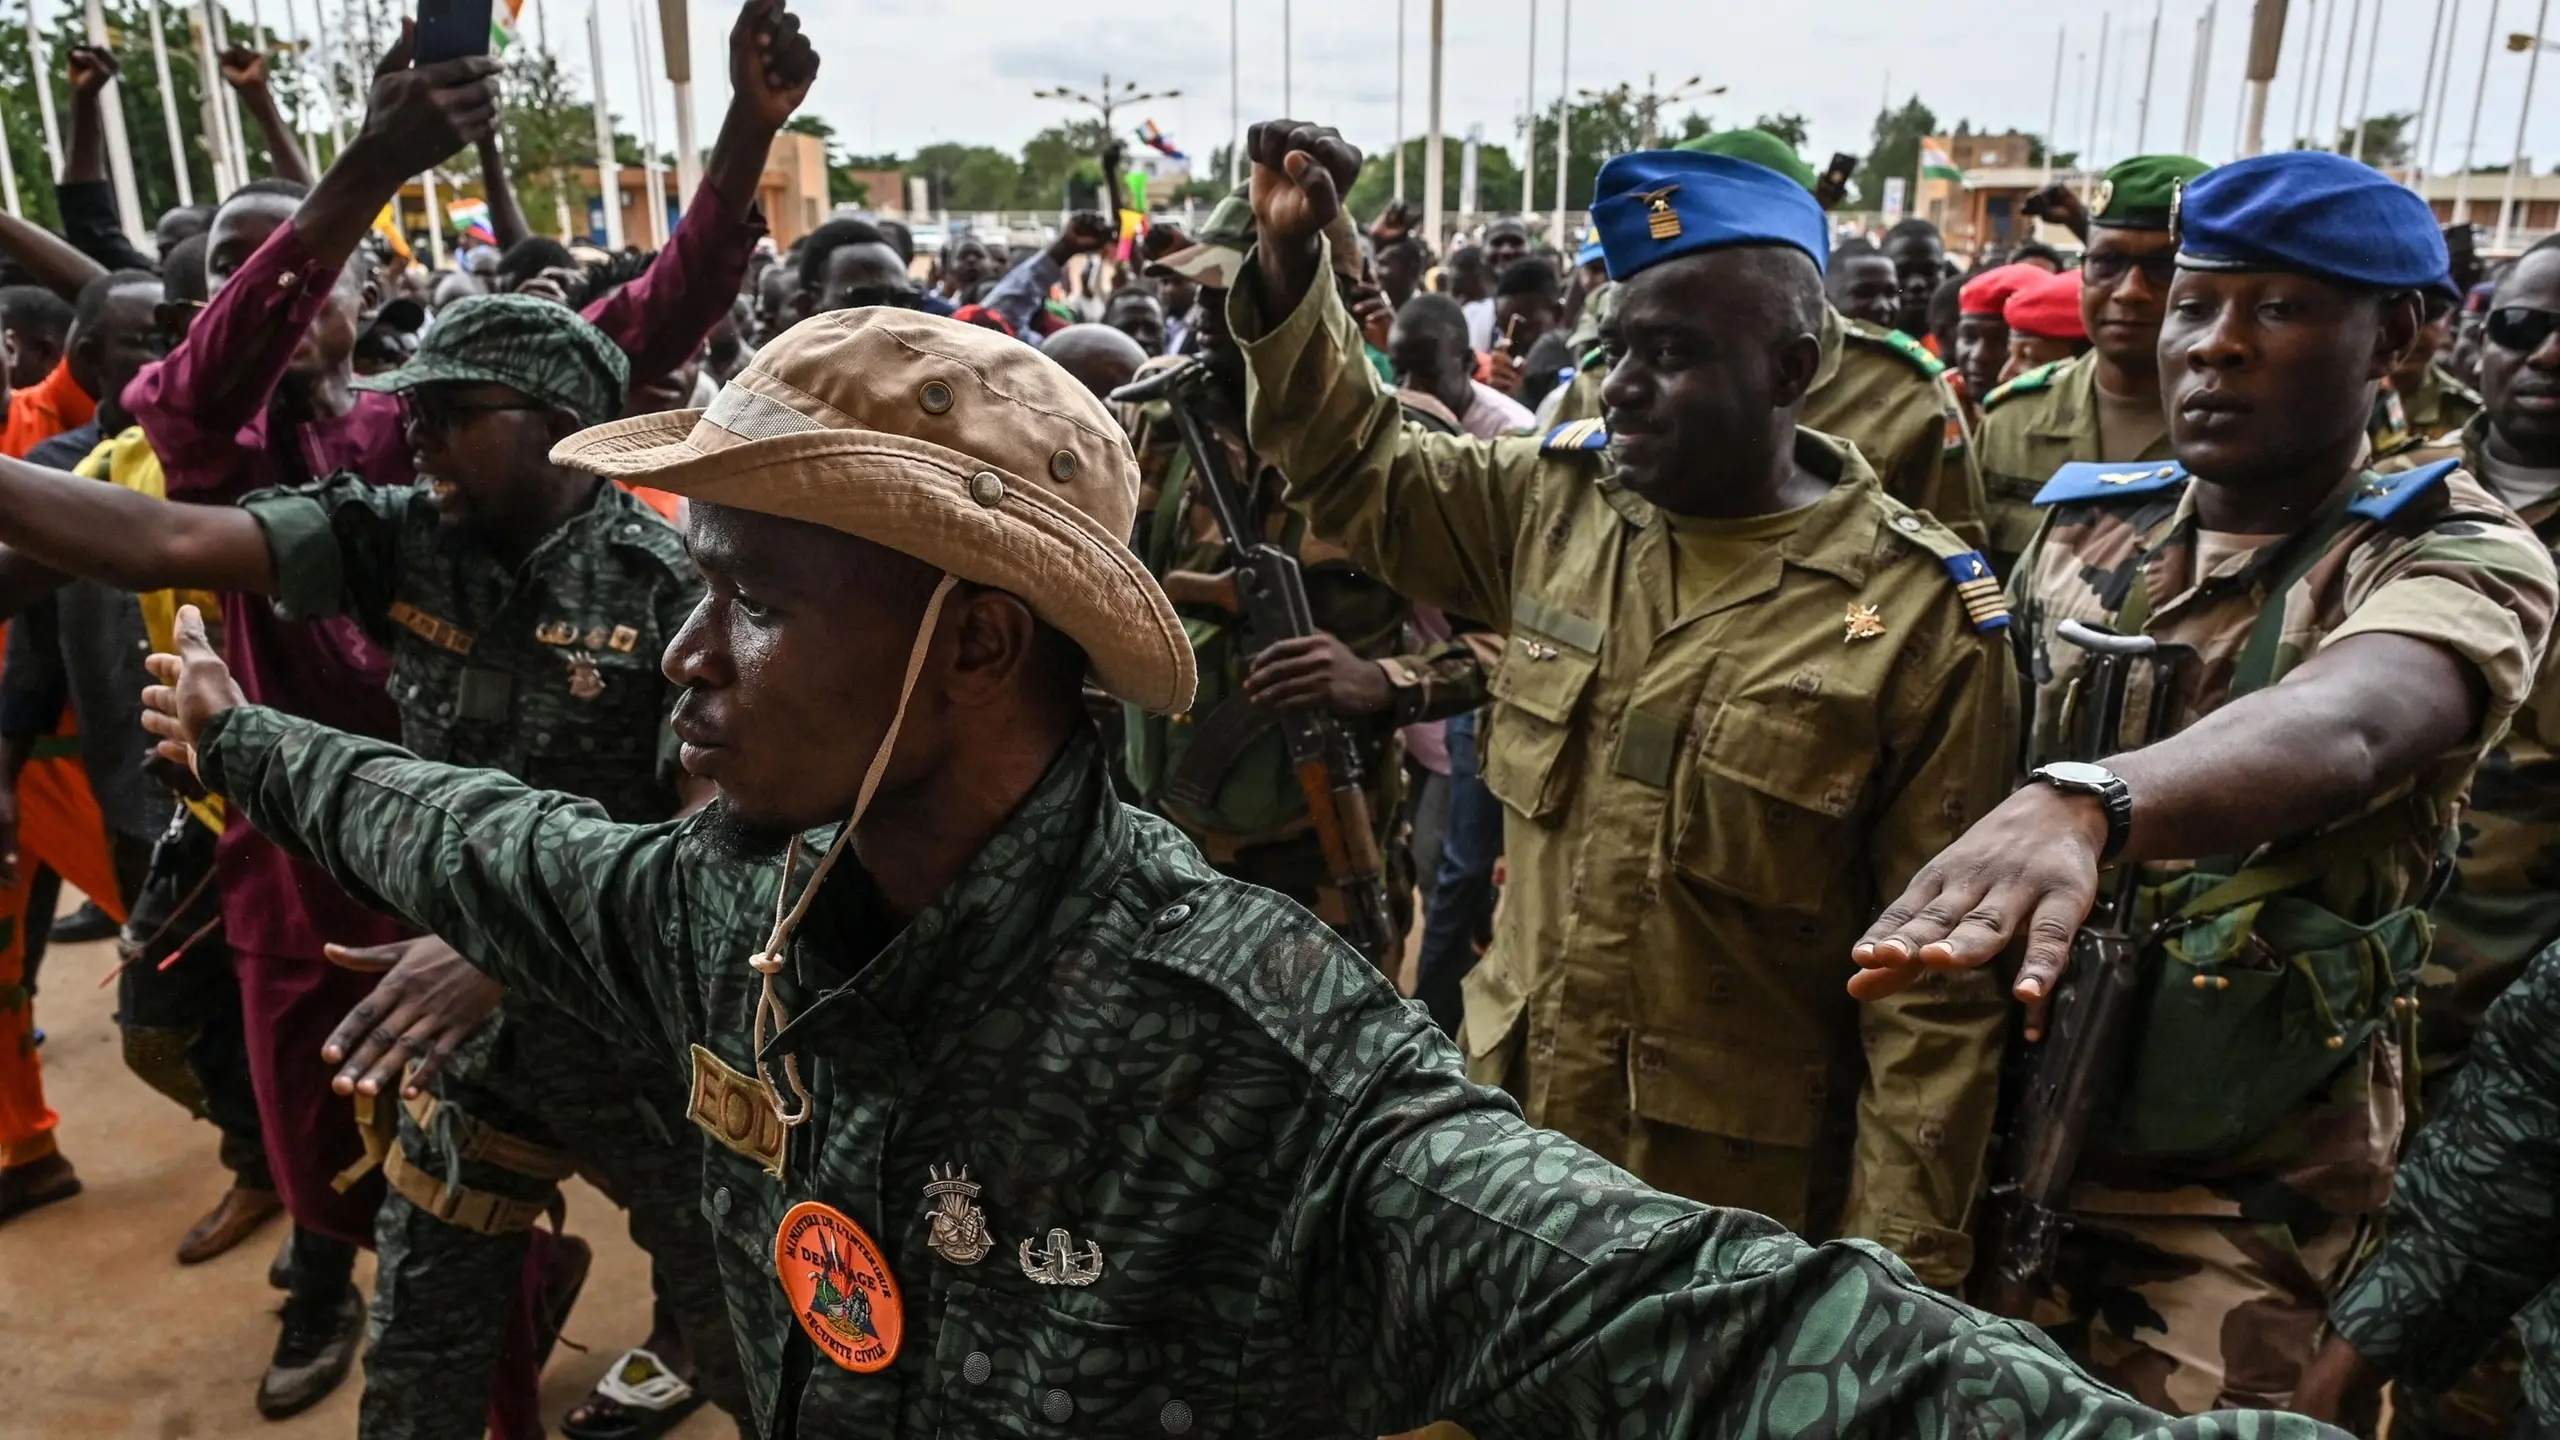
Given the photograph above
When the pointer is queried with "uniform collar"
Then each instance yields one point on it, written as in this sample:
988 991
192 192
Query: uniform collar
1039 878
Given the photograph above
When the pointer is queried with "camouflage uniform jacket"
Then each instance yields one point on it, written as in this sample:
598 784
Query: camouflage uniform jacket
2034 425
2431 556
548 672
2504 904
1703 807
1880 391
1308 1223
1180 533
2475 1220
2430 416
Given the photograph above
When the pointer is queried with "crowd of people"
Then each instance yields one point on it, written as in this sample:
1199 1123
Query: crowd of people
1285 825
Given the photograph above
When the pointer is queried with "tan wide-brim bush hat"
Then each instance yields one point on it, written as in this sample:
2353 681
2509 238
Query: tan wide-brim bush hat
960 446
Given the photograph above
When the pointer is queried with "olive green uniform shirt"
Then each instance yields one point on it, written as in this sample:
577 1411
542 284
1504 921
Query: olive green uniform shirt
1705 806
2034 425
1306 1223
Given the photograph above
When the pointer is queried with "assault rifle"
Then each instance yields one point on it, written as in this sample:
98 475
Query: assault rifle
1263 587
2074 1069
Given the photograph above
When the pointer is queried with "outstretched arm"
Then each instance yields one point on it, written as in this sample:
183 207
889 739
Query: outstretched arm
56 264
548 894
127 539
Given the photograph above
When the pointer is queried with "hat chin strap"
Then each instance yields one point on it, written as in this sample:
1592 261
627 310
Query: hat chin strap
768 961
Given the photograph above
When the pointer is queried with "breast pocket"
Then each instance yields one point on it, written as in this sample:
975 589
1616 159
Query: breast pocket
1767 811
1004 1366
594 723
1536 690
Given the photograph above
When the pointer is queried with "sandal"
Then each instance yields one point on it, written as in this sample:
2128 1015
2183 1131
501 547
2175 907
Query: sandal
638 1398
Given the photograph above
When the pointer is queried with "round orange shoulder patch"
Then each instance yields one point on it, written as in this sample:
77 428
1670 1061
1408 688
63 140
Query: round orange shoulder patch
839 1286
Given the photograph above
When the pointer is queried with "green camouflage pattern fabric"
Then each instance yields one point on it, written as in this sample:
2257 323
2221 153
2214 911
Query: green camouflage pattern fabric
1278 849
2504 903
548 351
2474 1226
2034 425
2165 1252
2430 417
1880 391
1705 804
443 1295
549 672
1309 1223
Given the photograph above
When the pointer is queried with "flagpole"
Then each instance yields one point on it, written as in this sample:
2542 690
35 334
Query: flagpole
608 168
675 37
1529 109
304 51
435 220
2444 86
2150 64
2097 95
2346 77
1432 165
2471 142
647 120
1564 128
2320 68
169 108
2053 104
1400 29
218 34
2524 111
40 65
2426 98
2364 103
119 152
8 172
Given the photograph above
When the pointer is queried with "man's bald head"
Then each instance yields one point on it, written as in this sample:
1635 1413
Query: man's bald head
1100 357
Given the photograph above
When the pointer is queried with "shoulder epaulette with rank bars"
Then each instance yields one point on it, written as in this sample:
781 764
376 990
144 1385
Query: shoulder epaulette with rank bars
1979 588
2107 480
1576 435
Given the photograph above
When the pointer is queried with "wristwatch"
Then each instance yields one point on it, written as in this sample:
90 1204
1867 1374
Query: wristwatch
2079 777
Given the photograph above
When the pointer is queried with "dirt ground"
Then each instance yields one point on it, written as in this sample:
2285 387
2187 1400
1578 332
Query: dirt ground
104 1336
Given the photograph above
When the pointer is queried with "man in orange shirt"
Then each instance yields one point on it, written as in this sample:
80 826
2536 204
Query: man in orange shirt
44 410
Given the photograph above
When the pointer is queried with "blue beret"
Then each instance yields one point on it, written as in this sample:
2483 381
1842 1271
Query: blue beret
1657 205
1590 251
2313 212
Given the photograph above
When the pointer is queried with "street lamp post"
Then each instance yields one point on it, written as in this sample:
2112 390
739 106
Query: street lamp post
1107 103
1564 126
2533 45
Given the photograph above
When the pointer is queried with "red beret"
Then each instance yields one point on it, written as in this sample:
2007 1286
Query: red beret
1987 292
2047 306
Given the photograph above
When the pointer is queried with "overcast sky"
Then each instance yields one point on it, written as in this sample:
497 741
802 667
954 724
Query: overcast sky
904 73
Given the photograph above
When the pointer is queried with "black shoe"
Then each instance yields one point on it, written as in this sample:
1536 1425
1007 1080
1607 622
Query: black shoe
280 1269
313 1353
84 925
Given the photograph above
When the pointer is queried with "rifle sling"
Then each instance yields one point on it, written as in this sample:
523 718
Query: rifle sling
1217 740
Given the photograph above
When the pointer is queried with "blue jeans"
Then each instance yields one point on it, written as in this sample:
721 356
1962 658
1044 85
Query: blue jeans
1462 890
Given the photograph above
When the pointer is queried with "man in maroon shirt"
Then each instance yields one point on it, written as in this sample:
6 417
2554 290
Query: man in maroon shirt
260 394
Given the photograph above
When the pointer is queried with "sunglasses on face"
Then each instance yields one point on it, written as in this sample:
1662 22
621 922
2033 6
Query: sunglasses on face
2521 328
2159 270
436 416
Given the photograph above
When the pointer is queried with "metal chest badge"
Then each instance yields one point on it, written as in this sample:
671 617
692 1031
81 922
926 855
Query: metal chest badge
586 681
959 1229
1865 622
1057 1263
839 1287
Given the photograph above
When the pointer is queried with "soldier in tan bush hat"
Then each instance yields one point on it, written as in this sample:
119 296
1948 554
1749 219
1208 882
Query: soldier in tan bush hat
1025 1120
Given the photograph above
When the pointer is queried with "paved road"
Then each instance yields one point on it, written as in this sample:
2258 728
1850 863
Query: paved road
104 1336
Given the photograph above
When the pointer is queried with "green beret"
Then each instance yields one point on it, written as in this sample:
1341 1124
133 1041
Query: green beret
2135 194
1757 146
546 350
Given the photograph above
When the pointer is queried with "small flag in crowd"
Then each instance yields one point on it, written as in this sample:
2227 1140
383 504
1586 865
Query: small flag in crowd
1935 165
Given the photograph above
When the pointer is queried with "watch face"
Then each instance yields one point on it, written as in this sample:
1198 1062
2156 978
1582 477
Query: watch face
2078 772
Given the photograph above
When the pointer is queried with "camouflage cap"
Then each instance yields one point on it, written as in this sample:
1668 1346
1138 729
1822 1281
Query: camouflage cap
544 349
1757 146
2135 194
1215 256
